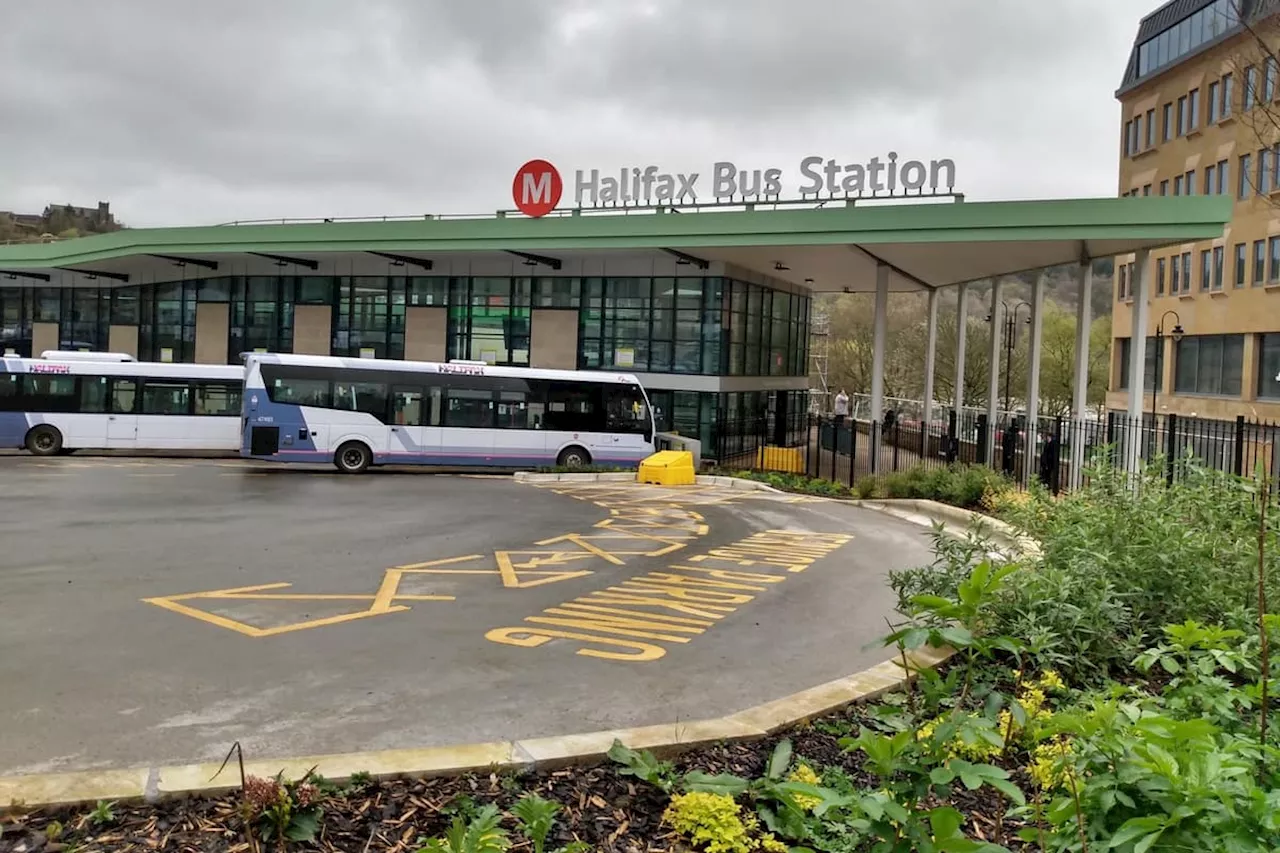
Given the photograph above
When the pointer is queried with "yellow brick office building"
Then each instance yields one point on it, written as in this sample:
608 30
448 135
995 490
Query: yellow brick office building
1200 113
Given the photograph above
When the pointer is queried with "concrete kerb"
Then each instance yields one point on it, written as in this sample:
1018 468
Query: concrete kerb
153 783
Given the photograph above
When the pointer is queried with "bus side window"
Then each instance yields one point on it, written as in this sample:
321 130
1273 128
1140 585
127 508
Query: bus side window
93 394
124 396
9 392
406 405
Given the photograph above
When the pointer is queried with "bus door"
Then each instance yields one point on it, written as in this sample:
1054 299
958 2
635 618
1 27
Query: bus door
468 426
122 413
413 438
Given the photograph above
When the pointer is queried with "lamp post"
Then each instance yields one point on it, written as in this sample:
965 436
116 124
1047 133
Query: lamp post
1010 341
1176 333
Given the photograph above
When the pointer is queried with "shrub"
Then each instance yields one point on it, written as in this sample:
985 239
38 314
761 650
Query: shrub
959 485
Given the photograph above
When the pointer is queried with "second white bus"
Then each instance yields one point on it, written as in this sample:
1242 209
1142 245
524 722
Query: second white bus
104 401
356 412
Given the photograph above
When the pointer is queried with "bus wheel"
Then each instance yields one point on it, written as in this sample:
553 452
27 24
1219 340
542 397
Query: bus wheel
44 440
573 457
353 458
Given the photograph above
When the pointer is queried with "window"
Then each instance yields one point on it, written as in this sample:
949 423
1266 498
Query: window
1137 134
124 396
1160 267
1182 116
1269 80
1164 187
1250 95
1224 176
1259 262
1215 102
1194 120
93 394
1168 121
297 390
429 290
465 407
1186 272
1128 138
1177 185
46 393
1241 264
1218 260
1153 365
1269 367
1210 184
573 408
1273 266
217 398
1209 364
161 397
407 406
1226 95
625 410
1264 171
1246 163
367 397
1151 128
1175 275
1146 189
1206 270
1191 182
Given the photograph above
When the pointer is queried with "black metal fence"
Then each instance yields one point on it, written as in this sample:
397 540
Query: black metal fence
1055 450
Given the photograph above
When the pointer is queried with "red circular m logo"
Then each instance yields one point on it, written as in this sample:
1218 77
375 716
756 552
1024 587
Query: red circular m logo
537 188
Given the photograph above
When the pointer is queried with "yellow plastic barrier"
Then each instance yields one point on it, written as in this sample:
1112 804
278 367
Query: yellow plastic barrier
668 468
788 459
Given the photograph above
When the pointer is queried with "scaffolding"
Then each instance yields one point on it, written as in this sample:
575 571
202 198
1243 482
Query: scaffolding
819 339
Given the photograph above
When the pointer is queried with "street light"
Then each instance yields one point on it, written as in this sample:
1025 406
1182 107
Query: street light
1176 333
1010 341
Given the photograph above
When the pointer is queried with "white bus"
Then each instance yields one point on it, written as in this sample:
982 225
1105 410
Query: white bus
357 412
65 401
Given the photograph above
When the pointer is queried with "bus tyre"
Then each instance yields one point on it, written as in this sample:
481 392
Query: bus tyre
573 457
44 440
353 457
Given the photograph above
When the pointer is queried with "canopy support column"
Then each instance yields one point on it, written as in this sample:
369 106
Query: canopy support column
930 359
1080 380
993 378
1133 433
881 328
1033 377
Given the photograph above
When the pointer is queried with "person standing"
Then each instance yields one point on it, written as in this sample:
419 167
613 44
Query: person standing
842 406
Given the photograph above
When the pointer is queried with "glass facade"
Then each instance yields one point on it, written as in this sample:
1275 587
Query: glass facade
1201 27
704 326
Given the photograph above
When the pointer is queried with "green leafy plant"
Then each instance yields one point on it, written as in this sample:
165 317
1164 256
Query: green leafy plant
283 811
481 834
643 765
102 813
536 816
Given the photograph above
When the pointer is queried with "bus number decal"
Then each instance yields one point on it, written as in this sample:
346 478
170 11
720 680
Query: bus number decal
49 368
465 369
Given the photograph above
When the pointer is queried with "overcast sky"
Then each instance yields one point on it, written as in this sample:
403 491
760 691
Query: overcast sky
202 112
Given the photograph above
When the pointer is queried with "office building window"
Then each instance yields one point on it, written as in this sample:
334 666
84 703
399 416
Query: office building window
1177 185
1226 94
1175 275
1269 80
1128 138
1151 128
1224 176
1215 104
1186 272
1191 182
1206 24
1193 97
1259 263
1269 367
1241 264
1205 269
1168 122
1250 95
1122 283
1153 365
1265 159
1146 189
1218 261
1209 364
1210 183
1160 274
1182 116
1246 164
1164 187
1273 263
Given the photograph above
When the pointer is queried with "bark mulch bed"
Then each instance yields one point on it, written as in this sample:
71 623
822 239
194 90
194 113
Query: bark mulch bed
608 811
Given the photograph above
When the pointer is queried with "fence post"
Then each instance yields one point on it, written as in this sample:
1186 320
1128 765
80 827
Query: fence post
1239 448
1055 459
984 437
853 452
924 440
897 436
1171 446
1111 437
953 437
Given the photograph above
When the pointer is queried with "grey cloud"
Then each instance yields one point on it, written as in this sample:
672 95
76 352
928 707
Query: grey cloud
192 112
